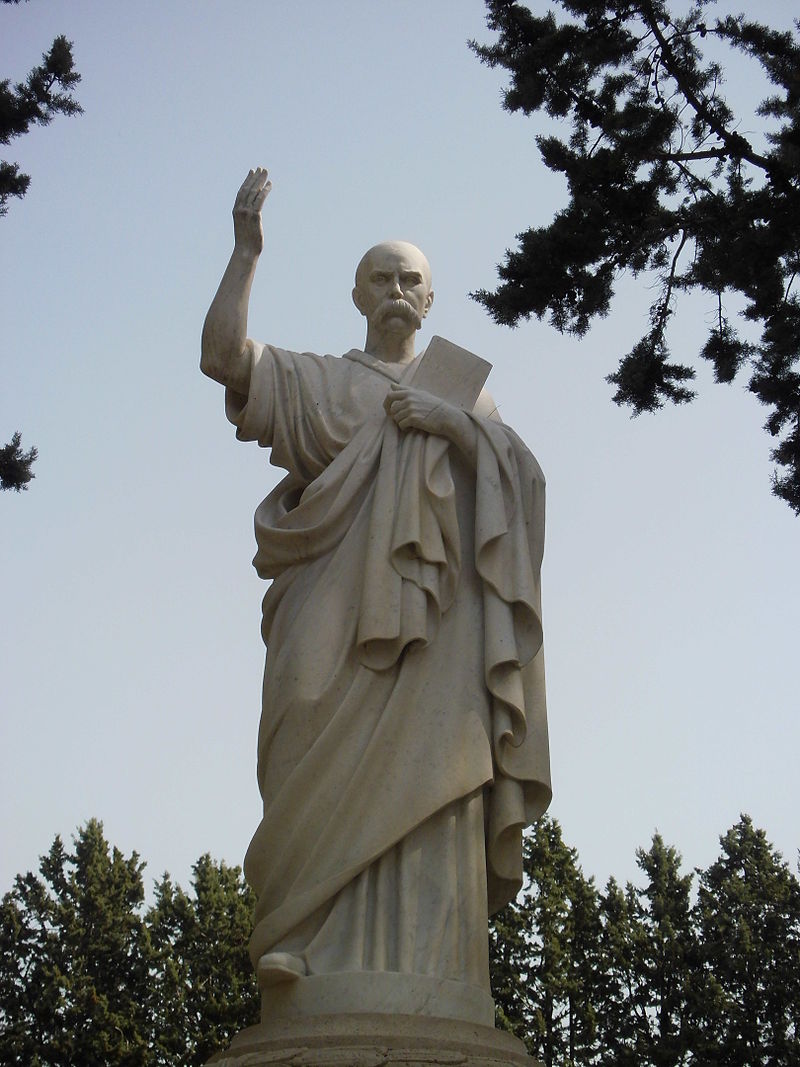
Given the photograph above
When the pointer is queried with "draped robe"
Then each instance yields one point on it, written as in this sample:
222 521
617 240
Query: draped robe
403 739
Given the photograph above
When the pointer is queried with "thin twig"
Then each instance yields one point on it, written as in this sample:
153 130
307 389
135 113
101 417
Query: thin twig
789 287
735 143
658 327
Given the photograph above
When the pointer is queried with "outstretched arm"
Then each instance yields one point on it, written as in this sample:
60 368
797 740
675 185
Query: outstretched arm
223 355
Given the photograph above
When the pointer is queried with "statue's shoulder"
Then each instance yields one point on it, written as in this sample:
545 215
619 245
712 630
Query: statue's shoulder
372 368
304 362
353 376
354 362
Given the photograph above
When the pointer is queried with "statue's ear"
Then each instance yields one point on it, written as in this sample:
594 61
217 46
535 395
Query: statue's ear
428 302
357 300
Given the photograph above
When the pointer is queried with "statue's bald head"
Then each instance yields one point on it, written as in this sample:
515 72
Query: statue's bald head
393 292
413 256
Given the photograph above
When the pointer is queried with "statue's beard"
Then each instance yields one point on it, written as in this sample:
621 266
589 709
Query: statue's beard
401 308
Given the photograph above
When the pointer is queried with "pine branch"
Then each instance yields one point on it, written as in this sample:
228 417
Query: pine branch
664 313
15 465
737 146
35 102
689 157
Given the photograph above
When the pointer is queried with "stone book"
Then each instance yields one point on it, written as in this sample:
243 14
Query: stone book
451 373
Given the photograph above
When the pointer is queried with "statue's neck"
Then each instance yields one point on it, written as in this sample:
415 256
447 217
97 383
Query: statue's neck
391 348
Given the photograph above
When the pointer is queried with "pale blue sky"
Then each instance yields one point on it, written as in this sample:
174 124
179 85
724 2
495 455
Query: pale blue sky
130 655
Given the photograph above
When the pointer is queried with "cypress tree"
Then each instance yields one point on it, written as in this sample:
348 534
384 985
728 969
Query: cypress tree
75 958
204 989
748 917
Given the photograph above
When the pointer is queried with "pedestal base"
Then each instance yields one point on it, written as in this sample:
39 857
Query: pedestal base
372 1040
377 993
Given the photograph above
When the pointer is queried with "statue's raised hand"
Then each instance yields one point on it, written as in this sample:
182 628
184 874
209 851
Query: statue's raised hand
247 229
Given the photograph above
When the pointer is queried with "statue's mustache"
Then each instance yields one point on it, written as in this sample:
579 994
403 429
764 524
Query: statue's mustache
398 307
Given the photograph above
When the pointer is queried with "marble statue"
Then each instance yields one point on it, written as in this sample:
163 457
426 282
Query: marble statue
403 740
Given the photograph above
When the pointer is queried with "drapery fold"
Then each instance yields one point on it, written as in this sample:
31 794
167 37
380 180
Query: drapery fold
403 626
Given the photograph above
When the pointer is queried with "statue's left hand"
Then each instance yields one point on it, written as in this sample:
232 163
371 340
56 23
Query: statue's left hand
414 409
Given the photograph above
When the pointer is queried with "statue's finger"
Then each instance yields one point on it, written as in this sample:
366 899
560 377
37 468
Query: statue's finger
254 180
260 176
262 195
240 196
257 193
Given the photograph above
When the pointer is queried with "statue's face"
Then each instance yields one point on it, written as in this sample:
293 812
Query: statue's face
393 287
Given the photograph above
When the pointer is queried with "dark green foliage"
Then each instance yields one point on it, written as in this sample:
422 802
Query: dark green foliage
88 977
74 959
204 990
45 93
641 975
543 952
661 180
648 958
616 1007
15 465
748 918
638 976
508 964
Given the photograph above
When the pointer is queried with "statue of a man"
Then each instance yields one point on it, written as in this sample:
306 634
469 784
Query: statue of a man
403 739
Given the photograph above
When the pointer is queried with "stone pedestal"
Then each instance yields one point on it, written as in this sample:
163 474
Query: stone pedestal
364 1039
368 1019
380 993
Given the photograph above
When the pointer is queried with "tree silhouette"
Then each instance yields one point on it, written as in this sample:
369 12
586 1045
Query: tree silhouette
661 180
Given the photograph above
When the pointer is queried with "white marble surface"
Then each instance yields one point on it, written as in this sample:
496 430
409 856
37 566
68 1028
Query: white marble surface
403 740
378 993
366 1040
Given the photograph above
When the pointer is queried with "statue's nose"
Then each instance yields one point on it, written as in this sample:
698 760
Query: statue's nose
396 290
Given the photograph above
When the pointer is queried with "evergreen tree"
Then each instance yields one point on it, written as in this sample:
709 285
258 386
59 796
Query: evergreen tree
45 93
74 960
664 955
661 179
508 966
584 974
15 465
204 989
748 917
650 953
551 867
632 977
173 1030
616 1002
548 937
87 977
